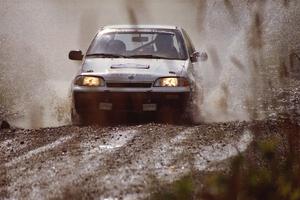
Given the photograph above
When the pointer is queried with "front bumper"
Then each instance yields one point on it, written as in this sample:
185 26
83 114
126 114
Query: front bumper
129 99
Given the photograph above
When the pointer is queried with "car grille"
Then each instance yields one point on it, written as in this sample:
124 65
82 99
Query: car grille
129 85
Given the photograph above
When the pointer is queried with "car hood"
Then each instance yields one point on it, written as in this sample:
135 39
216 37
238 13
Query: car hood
126 70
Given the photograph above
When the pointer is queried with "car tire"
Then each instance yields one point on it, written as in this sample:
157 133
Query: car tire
77 119
193 113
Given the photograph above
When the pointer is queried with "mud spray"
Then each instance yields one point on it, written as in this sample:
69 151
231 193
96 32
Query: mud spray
247 43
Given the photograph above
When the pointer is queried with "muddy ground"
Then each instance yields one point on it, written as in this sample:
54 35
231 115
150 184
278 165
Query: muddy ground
119 162
107 162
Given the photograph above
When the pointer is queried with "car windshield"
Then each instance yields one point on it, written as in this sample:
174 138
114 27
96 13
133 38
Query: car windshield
164 44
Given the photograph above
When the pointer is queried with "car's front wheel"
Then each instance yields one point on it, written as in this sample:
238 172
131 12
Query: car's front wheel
77 119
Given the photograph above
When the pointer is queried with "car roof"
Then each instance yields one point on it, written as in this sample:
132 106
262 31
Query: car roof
139 27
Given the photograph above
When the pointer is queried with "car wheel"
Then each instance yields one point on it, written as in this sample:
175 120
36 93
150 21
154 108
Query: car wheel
193 112
194 115
77 119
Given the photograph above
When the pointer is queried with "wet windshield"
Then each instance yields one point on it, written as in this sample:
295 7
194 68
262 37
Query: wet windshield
139 44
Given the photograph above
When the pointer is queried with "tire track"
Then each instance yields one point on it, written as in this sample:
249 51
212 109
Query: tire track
37 151
208 155
63 170
118 162
165 162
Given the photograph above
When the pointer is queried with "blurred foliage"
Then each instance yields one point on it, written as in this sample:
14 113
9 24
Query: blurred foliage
273 174
181 189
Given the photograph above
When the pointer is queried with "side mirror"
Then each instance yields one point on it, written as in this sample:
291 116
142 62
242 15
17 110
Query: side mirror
199 56
76 55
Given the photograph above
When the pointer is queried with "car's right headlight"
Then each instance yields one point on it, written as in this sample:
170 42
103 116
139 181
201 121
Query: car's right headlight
89 81
171 82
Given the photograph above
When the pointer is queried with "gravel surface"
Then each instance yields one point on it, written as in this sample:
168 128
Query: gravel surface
110 162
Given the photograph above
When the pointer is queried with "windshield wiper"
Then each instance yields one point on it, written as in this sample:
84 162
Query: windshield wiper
147 56
105 55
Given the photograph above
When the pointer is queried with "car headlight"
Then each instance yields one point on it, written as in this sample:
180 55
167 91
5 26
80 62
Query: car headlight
171 82
89 81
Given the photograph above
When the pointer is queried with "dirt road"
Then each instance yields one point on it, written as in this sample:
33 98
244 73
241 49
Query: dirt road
110 162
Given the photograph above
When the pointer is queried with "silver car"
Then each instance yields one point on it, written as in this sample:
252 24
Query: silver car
135 69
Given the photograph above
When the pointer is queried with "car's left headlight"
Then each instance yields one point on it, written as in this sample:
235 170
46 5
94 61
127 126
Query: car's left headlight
171 82
89 81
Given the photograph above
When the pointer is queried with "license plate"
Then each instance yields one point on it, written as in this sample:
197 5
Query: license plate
149 107
105 106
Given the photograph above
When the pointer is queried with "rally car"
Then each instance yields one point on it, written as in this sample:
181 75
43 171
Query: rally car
135 69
